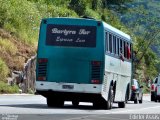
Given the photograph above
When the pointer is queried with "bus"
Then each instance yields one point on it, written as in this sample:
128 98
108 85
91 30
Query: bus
83 60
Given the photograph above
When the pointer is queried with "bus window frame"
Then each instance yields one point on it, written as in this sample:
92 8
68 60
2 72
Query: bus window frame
120 44
110 43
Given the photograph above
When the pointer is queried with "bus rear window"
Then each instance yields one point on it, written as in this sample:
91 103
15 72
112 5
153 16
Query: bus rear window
71 35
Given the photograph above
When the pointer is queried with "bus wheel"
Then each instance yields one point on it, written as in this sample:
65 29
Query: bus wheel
99 104
121 104
75 103
126 99
55 103
50 102
59 103
109 103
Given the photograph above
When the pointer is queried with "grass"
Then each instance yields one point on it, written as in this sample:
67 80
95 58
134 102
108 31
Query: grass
4 71
22 17
5 88
8 46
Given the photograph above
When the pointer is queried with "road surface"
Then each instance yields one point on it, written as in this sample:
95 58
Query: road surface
35 105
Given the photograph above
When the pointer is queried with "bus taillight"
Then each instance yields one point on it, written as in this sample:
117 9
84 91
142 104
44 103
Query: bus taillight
96 63
95 81
42 60
41 78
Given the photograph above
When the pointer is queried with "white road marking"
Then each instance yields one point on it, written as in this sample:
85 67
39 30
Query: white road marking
112 118
135 110
96 117
80 118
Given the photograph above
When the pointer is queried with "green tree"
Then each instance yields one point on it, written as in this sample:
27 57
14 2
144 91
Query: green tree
79 6
117 1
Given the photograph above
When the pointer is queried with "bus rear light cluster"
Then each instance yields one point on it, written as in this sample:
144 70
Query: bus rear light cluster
42 69
95 72
96 63
42 60
41 78
95 81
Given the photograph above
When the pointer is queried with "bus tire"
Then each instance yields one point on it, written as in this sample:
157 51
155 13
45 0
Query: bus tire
109 103
59 103
50 102
54 103
127 94
126 98
121 104
75 103
97 104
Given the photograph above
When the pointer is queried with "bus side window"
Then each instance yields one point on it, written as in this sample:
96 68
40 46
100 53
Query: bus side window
121 54
110 43
128 51
115 44
113 39
131 51
107 42
125 50
121 47
118 45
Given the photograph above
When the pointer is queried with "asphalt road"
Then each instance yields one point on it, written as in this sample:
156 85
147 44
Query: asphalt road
34 107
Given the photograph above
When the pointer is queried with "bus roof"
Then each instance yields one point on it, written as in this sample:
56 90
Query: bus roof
116 31
83 18
106 26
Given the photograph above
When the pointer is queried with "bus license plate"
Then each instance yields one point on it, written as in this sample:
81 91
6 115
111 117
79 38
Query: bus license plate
67 86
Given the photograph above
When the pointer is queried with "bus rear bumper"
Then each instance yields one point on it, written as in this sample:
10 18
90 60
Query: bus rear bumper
69 87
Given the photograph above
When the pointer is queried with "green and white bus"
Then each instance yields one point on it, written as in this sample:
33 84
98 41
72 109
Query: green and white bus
83 60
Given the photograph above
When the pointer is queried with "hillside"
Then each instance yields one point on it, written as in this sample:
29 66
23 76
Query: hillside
145 13
141 17
13 51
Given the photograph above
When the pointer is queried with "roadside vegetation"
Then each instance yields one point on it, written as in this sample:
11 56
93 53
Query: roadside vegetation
19 27
4 70
5 88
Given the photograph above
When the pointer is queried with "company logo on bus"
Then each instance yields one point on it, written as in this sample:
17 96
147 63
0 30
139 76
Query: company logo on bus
71 35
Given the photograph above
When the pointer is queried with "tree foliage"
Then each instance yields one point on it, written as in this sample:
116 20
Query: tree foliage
4 71
146 32
117 1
